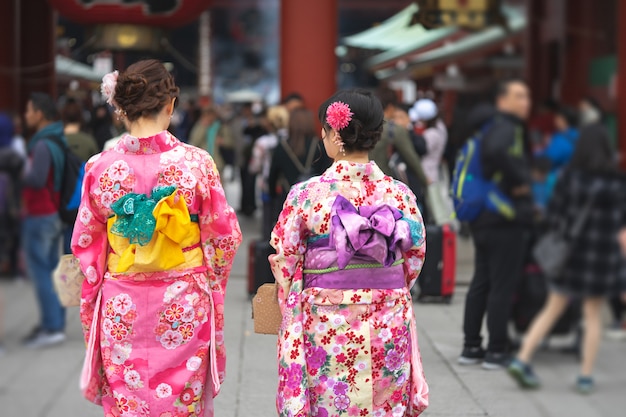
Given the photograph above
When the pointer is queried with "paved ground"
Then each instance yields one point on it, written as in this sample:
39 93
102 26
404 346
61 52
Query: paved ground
45 383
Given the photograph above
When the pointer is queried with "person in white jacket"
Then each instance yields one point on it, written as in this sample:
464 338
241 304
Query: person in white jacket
261 160
435 134
425 115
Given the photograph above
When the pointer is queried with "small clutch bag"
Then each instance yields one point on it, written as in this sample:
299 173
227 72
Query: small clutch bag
266 311
68 281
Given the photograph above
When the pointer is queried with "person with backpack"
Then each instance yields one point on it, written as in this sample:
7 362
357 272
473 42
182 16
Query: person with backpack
500 224
42 229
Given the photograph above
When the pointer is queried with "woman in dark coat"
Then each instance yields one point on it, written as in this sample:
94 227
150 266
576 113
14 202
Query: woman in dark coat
11 164
596 268
297 158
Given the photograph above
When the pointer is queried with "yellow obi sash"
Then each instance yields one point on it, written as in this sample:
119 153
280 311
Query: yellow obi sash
152 234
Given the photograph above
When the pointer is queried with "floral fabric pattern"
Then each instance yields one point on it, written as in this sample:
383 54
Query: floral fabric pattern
173 317
346 352
185 311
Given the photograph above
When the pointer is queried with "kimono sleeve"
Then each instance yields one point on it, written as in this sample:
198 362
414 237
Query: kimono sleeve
90 245
414 257
289 240
89 239
220 234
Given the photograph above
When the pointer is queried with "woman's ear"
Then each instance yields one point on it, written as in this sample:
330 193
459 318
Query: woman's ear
172 106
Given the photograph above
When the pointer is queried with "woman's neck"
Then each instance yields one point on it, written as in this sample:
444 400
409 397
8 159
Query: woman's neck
71 128
145 129
355 157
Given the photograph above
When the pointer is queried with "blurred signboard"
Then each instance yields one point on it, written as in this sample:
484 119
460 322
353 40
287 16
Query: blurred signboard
468 14
159 13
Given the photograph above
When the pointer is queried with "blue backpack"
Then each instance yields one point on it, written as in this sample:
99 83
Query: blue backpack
471 191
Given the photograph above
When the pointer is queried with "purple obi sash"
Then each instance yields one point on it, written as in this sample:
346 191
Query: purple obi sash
363 250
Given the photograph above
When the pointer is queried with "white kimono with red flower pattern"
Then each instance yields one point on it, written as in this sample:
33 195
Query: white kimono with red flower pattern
155 339
347 350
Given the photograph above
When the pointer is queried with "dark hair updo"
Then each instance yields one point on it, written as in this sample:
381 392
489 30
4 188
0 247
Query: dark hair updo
366 126
143 89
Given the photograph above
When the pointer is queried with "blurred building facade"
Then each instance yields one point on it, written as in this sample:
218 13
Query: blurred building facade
566 49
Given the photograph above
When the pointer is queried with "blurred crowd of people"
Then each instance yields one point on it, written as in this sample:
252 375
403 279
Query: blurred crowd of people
86 133
551 169
547 164
267 149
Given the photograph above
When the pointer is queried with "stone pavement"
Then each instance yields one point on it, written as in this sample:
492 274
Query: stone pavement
45 383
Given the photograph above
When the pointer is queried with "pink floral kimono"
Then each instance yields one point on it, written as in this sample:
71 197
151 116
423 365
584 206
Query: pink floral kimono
349 246
156 240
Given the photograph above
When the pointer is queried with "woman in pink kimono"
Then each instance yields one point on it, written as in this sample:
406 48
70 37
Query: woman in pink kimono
349 246
156 240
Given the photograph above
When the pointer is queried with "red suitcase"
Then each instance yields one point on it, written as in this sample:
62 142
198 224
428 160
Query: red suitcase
438 277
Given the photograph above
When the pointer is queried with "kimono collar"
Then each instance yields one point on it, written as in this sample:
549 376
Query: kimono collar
354 172
161 142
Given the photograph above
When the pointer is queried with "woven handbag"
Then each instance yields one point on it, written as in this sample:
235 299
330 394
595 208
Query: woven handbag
265 310
68 281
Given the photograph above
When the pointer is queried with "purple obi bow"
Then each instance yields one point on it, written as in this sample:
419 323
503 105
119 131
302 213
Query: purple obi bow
377 232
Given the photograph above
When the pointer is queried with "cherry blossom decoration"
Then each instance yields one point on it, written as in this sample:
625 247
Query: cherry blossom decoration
107 88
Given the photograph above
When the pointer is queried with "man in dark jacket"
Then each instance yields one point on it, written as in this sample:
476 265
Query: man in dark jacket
42 226
499 236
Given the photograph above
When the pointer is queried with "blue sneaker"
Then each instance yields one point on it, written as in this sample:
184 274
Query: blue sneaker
523 374
584 384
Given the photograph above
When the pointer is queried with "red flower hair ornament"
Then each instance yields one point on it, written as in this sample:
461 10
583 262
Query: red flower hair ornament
338 115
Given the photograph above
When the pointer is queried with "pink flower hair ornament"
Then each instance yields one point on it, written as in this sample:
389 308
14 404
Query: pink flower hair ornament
107 88
338 115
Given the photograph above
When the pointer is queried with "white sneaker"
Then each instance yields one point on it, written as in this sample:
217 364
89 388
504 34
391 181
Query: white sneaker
616 332
45 338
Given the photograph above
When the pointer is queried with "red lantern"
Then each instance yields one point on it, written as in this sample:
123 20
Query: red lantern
161 13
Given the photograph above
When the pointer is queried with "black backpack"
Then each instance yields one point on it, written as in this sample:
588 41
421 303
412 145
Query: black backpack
71 184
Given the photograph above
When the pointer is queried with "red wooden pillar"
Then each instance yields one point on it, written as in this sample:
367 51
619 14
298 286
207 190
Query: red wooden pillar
532 46
37 50
585 25
621 82
540 68
308 39
577 54
7 55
